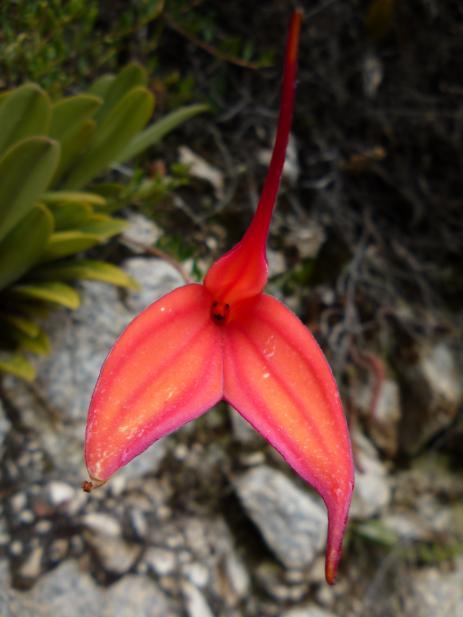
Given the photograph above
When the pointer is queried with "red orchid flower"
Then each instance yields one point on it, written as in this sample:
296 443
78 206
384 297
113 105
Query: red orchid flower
226 339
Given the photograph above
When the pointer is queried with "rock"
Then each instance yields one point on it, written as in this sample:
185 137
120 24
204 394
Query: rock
383 425
200 168
372 74
237 575
196 573
292 522
18 502
69 591
141 230
58 550
156 278
372 492
308 611
306 235
273 580
115 555
137 595
276 263
160 561
432 394
59 493
104 534
196 604
202 550
408 526
102 523
5 424
432 592
31 568
139 524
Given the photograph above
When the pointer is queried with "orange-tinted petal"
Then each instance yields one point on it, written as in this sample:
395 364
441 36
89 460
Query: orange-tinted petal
277 377
164 370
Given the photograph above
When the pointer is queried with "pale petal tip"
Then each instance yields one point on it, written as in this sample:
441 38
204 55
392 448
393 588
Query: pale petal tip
331 566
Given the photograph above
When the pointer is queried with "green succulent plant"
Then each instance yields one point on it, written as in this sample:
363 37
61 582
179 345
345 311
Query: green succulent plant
49 154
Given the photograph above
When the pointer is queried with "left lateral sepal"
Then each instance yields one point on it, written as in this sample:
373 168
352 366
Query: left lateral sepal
163 371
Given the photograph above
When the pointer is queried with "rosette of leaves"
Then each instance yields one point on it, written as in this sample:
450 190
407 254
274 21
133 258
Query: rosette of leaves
52 206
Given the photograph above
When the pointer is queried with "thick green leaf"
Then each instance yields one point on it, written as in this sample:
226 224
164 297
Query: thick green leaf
131 76
66 243
101 85
3 97
117 129
71 111
18 365
25 171
26 111
72 145
104 226
69 216
54 292
20 323
73 197
24 244
154 133
39 344
87 269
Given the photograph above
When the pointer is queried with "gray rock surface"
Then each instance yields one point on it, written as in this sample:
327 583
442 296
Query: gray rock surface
292 522
436 593
141 230
433 394
383 425
70 591
196 604
372 491
310 610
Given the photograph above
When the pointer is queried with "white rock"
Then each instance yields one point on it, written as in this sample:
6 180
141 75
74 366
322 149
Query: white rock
372 492
433 593
433 394
102 523
155 276
237 575
160 560
308 611
69 591
196 573
383 425
5 424
115 555
276 263
59 492
200 168
196 604
141 230
292 522
32 567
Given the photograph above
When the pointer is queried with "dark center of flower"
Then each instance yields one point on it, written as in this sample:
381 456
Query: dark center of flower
220 312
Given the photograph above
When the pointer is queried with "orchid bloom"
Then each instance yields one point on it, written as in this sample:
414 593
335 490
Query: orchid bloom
227 340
